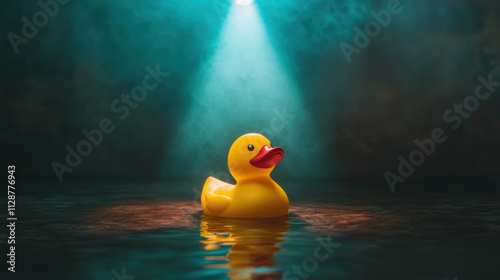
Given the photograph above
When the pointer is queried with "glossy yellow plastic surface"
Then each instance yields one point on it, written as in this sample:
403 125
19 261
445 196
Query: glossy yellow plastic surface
255 195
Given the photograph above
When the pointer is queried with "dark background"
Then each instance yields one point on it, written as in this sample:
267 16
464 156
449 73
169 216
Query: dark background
364 113
133 203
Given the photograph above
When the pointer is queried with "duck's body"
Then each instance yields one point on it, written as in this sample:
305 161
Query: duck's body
255 195
258 198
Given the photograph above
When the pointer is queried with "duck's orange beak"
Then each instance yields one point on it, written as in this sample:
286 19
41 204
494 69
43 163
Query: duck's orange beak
267 157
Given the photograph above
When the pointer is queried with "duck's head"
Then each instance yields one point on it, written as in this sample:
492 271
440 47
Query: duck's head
251 156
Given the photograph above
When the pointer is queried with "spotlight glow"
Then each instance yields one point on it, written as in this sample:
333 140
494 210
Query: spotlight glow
244 87
244 2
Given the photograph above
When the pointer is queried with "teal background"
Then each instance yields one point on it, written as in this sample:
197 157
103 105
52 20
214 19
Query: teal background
132 205
229 77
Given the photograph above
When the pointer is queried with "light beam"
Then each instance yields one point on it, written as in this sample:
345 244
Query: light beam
243 88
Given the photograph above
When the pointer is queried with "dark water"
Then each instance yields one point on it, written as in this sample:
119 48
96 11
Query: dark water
155 231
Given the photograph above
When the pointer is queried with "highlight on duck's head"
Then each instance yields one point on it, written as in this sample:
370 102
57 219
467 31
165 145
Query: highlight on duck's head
251 156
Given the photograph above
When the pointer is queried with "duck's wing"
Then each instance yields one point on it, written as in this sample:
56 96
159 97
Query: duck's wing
213 195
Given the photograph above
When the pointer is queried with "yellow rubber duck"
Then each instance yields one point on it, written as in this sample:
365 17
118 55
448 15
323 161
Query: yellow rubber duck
255 195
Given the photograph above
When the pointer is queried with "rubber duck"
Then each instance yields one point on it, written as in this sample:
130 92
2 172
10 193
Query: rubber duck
255 195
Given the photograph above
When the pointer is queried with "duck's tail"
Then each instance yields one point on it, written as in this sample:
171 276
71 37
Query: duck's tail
213 200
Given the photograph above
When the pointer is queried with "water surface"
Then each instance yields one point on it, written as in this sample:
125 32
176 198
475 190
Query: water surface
88 230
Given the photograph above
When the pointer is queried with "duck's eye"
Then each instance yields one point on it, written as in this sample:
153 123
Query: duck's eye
250 147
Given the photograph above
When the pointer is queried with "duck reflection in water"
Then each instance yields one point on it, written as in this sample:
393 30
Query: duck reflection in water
253 245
